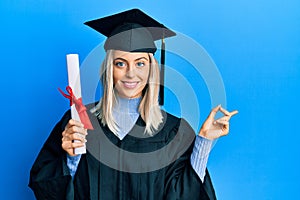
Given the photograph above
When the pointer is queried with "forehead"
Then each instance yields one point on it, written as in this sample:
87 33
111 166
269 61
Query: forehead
129 55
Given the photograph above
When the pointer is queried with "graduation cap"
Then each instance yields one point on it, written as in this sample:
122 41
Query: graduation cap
134 31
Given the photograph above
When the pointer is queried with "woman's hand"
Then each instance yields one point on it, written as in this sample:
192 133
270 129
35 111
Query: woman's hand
74 131
213 129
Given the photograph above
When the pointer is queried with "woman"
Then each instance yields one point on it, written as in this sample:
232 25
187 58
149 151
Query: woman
136 151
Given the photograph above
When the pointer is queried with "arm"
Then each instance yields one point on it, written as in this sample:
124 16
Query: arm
73 131
49 175
211 129
200 155
182 182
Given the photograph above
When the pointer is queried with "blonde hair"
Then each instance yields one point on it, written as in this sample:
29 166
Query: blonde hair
148 108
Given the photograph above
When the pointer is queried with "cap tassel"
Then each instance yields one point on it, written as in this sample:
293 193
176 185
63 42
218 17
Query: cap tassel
162 73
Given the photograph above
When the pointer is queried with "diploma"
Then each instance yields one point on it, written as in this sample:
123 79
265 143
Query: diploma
78 110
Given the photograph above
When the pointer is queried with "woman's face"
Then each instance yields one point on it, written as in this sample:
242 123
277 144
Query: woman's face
130 73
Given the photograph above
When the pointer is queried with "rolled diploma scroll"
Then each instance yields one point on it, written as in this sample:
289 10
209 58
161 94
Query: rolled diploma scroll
74 83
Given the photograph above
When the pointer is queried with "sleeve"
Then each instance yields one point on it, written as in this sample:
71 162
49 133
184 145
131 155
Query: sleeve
72 163
182 182
200 155
49 175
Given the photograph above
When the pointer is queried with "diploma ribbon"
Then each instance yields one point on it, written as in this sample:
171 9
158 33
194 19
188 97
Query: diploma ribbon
81 109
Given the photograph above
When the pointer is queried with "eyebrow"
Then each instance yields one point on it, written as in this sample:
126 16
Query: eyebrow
134 60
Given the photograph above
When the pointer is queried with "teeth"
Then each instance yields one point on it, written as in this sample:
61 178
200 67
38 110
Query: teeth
130 84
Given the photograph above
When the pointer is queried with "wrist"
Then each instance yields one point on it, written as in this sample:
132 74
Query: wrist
201 133
204 135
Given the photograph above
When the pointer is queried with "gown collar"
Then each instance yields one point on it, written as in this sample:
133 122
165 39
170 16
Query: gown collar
127 105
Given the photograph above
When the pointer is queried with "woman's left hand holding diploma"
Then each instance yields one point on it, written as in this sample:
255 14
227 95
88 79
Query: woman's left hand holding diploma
213 129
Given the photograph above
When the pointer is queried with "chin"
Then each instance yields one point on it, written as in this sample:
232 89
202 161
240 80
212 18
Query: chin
128 95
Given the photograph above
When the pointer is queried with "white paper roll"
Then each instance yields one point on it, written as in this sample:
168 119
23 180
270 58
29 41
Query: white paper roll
74 83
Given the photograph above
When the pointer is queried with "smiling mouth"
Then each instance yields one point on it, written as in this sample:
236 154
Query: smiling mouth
130 85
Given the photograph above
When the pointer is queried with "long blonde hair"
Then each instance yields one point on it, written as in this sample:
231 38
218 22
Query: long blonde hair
148 108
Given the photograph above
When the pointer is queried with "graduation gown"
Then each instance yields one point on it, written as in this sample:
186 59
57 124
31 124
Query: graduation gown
137 167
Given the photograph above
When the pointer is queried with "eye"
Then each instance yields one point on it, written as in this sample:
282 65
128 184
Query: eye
140 64
120 64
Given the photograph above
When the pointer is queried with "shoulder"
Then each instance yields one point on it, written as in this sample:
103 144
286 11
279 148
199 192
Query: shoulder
175 127
91 105
172 121
93 109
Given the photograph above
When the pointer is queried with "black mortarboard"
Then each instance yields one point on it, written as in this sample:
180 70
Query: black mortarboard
133 31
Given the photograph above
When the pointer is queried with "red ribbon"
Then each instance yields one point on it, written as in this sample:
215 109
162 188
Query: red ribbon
81 109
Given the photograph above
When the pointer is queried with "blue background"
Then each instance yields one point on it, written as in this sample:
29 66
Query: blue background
255 44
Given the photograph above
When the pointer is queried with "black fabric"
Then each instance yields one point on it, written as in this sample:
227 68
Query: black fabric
110 25
97 180
131 31
131 37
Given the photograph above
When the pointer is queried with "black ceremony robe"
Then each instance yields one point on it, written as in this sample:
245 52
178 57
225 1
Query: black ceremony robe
137 167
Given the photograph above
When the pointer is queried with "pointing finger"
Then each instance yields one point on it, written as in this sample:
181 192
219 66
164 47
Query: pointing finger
234 112
225 112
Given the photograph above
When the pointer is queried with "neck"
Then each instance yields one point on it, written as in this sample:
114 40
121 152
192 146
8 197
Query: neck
127 105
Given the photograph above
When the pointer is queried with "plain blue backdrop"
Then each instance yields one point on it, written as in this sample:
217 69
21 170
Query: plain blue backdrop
255 45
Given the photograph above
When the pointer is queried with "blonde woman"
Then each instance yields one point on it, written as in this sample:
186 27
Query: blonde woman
136 150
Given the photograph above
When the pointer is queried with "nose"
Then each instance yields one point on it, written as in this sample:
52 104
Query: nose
130 71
